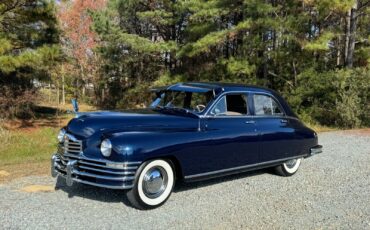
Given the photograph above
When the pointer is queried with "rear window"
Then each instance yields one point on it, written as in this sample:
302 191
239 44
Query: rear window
265 105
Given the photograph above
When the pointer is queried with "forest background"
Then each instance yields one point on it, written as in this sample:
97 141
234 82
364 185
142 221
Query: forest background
109 53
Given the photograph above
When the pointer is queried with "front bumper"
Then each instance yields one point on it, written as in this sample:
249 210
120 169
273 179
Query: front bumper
315 150
101 173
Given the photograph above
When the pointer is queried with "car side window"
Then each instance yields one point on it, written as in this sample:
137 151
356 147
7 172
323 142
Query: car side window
266 106
220 108
231 105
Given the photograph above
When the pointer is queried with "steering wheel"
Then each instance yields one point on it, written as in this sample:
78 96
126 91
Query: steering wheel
200 107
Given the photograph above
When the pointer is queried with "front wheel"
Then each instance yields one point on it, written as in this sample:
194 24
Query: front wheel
289 168
153 184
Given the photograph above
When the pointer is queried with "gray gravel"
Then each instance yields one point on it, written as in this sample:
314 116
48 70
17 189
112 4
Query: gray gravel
330 191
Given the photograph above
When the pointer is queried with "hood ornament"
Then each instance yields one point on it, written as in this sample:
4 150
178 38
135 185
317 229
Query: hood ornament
75 107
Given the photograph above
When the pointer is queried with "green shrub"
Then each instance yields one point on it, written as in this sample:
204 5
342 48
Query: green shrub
338 97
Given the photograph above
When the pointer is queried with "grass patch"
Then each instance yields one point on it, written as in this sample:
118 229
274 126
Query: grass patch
27 146
34 140
320 128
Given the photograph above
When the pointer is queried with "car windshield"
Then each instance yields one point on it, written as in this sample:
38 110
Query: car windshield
187 101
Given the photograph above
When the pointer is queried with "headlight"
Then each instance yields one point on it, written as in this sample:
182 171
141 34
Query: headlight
61 134
106 147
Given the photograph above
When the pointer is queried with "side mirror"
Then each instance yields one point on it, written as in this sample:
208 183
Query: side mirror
75 105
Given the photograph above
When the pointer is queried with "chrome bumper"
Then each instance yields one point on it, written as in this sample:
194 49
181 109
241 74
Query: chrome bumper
101 173
315 150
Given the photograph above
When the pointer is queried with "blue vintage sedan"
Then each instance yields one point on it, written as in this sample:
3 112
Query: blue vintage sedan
192 131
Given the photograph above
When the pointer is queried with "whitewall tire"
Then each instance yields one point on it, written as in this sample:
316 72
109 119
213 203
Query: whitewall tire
289 167
153 184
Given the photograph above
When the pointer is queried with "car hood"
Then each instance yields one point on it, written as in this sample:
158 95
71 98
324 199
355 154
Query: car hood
108 122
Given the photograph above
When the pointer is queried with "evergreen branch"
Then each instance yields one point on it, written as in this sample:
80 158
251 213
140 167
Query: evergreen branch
9 7
363 5
275 75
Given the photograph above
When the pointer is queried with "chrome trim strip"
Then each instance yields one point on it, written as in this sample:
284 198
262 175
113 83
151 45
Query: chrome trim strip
72 151
60 169
105 171
241 167
124 167
81 157
99 185
102 185
125 178
253 117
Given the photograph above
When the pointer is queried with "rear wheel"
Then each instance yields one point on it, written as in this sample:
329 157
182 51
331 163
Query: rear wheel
289 167
153 184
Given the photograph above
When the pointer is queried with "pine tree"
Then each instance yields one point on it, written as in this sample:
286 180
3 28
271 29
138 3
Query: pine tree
28 48
295 47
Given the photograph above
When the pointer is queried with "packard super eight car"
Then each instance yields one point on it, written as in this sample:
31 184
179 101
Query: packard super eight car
192 131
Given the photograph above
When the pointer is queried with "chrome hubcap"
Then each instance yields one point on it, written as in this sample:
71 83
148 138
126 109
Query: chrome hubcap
291 163
155 182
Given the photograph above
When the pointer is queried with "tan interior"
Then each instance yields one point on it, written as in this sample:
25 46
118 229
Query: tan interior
232 113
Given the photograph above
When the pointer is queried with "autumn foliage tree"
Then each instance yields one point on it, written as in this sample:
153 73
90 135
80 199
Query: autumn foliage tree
78 41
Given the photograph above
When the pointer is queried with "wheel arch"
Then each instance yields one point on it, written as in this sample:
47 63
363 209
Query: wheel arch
175 163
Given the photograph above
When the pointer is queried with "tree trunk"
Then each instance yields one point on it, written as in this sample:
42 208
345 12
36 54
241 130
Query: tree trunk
295 73
77 83
102 95
351 35
57 93
63 91
50 93
338 50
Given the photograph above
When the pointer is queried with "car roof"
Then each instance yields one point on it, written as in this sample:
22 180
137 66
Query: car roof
208 86
217 88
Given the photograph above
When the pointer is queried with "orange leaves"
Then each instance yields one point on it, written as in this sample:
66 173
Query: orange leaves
75 21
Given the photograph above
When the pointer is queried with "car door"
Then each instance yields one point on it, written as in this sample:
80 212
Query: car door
234 140
277 135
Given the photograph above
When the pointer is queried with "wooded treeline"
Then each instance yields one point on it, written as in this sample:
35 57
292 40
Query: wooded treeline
316 53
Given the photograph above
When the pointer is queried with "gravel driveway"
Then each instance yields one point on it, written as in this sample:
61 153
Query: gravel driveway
330 191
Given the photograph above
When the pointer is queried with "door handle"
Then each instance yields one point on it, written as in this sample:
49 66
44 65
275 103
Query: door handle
250 122
284 121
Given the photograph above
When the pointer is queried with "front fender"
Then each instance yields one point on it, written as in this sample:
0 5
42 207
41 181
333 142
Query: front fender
141 146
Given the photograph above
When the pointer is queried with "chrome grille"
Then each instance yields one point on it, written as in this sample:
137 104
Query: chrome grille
98 172
72 146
